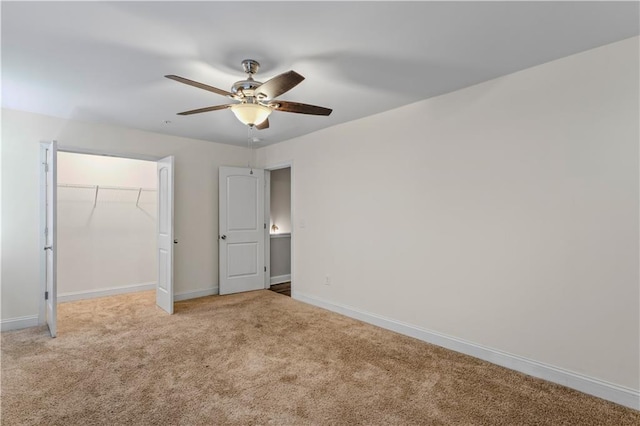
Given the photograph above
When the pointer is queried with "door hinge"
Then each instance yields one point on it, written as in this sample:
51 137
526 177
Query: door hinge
265 226
46 231
265 269
46 167
46 295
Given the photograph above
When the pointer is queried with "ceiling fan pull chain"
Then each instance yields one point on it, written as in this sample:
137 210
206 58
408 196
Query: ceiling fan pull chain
249 134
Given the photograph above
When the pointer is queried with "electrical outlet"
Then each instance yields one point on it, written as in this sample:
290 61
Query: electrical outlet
327 280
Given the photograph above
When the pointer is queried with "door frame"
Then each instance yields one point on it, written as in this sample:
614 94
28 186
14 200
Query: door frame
88 151
44 316
267 213
42 305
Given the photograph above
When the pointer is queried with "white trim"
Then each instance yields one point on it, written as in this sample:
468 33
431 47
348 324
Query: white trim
19 322
278 279
195 294
283 235
283 165
111 291
589 385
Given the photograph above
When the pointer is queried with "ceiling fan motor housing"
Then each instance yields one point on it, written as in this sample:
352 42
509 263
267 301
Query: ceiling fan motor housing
245 88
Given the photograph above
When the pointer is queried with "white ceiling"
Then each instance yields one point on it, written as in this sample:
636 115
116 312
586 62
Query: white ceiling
105 61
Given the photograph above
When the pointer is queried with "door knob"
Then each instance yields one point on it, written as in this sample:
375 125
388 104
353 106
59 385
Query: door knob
175 241
224 237
48 248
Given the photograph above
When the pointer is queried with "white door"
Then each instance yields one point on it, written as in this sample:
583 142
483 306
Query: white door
164 290
242 225
48 191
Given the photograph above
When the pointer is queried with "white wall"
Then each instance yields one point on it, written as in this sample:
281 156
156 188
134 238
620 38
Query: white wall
112 244
280 258
85 169
281 199
196 200
504 214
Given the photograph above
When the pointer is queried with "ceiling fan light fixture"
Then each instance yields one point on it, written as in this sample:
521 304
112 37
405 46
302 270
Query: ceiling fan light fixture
257 100
251 114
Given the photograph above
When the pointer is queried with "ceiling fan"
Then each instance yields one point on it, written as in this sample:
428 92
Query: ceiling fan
256 100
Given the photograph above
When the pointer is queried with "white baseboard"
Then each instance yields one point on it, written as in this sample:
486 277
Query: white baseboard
91 294
278 279
18 323
195 294
589 385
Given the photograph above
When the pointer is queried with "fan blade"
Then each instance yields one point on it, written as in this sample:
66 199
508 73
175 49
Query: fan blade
207 109
199 85
299 108
263 125
278 85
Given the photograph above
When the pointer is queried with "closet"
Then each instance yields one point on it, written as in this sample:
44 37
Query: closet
106 226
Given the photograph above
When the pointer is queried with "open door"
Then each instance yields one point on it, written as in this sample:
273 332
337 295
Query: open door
164 290
48 194
241 227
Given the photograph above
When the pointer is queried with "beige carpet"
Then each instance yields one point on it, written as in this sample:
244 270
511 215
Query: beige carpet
261 358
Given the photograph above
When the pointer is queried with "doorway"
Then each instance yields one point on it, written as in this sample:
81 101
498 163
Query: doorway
280 230
96 191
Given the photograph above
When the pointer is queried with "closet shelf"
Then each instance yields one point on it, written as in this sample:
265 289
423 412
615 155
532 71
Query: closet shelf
99 187
124 188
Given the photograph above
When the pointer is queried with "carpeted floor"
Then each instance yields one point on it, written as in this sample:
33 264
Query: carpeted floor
261 358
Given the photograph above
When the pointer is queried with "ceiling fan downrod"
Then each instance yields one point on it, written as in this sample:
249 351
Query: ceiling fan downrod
250 66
